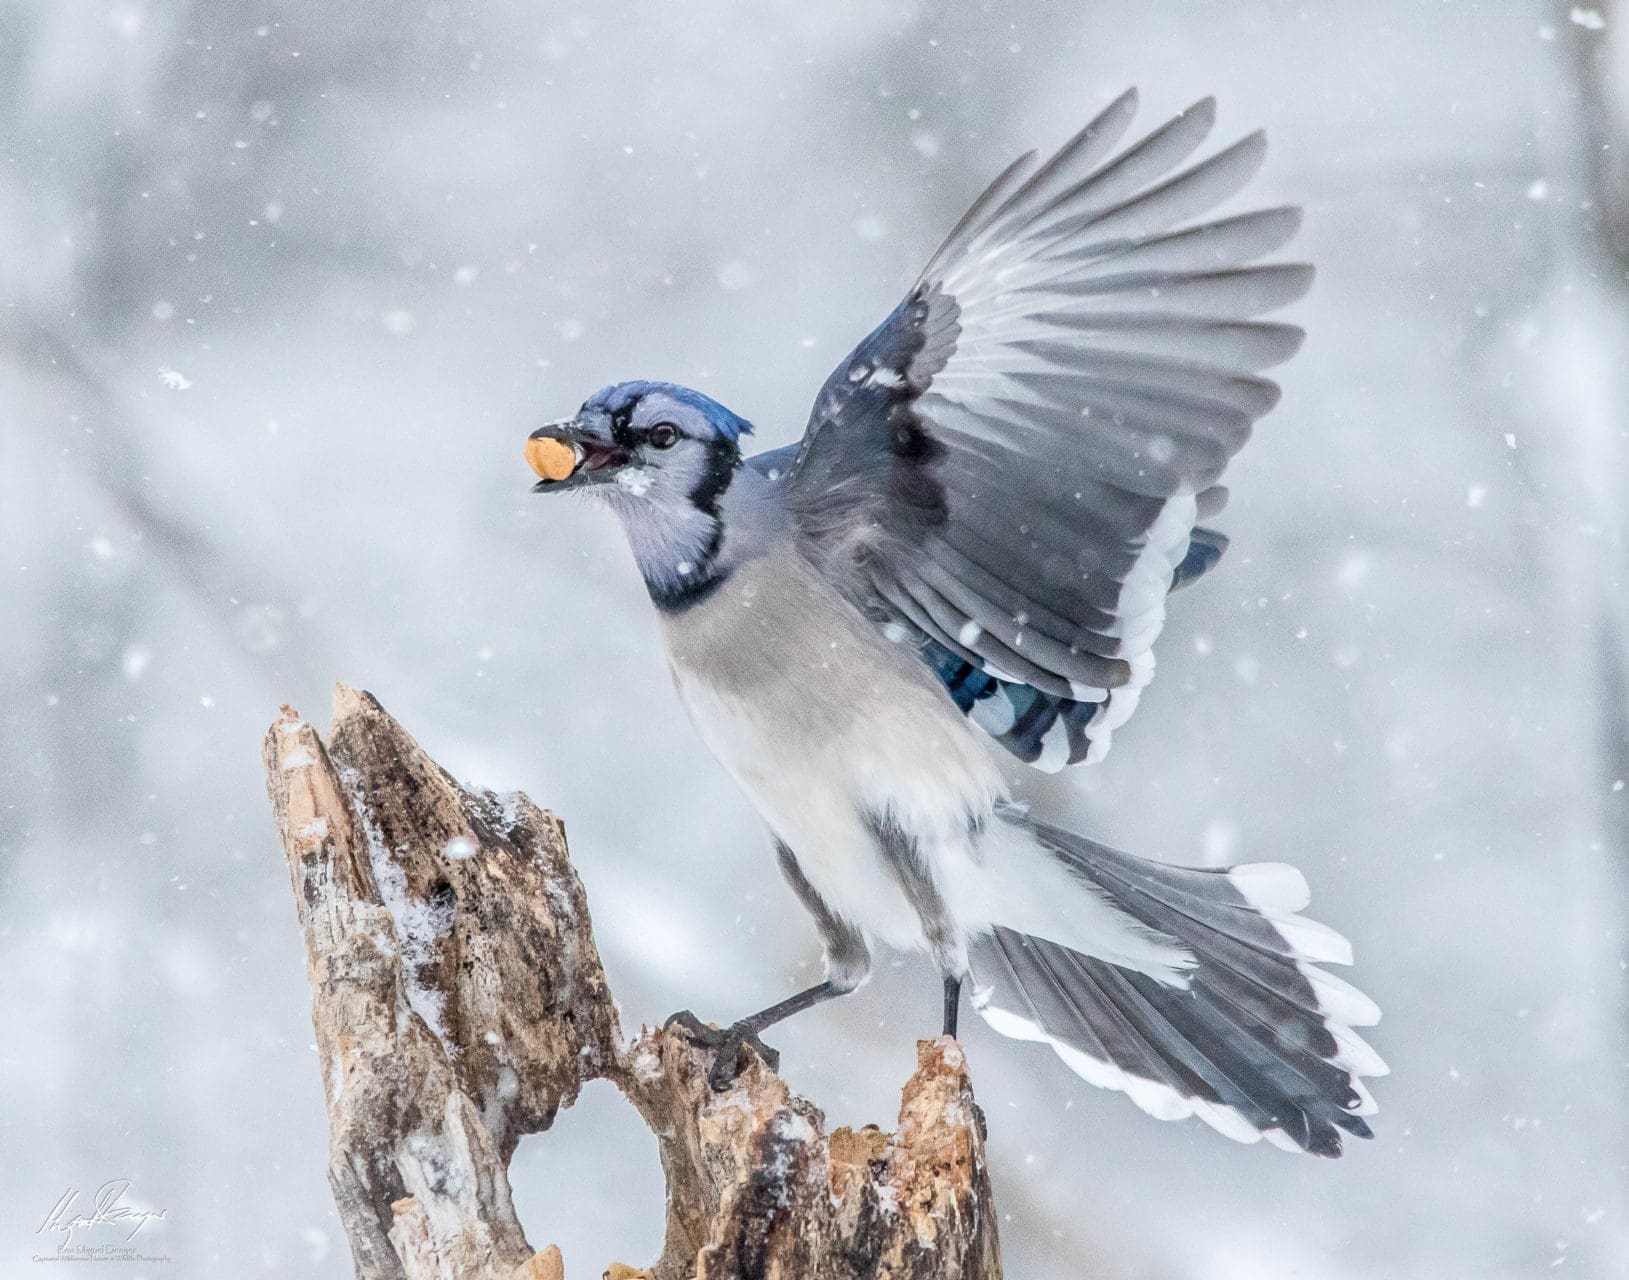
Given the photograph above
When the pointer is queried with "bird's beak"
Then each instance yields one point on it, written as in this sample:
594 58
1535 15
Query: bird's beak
568 455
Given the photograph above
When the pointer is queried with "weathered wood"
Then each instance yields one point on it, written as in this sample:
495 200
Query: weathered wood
459 1002
756 1188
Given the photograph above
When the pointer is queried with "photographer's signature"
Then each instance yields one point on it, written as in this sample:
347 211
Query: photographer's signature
107 1208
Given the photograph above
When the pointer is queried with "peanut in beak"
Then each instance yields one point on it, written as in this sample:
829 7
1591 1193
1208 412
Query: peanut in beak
551 459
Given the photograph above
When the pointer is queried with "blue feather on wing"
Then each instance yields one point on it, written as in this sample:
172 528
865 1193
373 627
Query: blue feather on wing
1022 719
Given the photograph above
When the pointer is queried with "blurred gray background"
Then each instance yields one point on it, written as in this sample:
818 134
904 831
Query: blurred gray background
284 284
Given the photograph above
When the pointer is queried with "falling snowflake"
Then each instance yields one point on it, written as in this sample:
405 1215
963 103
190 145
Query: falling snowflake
870 227
174 379
735 275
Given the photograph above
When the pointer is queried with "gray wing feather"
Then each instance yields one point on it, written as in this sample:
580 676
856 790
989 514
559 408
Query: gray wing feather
1011 467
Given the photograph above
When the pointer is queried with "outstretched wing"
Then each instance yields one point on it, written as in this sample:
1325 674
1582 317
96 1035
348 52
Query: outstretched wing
1008 472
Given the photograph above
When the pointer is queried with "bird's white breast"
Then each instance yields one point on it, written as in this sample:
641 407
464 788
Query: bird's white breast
823 722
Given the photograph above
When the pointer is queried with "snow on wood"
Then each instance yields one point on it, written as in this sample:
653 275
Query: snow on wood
459 1002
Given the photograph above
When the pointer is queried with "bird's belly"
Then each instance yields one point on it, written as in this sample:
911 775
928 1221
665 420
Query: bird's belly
821 786
806 795
830 728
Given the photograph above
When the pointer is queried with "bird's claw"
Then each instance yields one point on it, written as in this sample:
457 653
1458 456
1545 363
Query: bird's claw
694 1029
726 1044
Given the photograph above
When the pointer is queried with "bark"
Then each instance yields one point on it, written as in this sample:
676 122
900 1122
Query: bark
459 1002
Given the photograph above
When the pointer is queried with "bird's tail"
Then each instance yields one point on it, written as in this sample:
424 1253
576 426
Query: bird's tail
1258 1043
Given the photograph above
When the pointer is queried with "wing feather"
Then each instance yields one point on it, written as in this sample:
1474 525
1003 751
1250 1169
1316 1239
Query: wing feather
1011 467
1230 242
1190 193
1074 160
1146 162
1246 346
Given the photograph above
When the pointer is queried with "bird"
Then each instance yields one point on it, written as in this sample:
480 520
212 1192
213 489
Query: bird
974 543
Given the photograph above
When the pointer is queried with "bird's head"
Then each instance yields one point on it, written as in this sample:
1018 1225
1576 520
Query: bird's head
650 441
661 455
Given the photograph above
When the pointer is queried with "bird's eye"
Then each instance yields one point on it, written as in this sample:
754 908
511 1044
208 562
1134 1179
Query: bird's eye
664 435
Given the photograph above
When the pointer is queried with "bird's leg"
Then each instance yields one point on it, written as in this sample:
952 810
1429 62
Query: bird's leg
727 1042
946 941
848 961
953 1001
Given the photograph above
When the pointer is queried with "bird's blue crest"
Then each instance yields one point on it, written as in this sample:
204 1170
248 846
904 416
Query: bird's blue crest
624 395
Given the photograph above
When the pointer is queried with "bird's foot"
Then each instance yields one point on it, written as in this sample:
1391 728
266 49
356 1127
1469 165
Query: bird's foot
726 1043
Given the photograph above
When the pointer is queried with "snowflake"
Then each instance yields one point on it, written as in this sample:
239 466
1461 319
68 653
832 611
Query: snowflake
174 379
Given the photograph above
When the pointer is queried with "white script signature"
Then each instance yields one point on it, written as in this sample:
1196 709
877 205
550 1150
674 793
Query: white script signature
107 1209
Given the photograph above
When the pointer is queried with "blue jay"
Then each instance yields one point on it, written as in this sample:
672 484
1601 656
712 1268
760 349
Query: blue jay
996 492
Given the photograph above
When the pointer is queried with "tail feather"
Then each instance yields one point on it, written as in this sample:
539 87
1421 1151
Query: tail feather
1257 1042
1302 1094
1103 1049
1192 1071
1233 911
1251 1079
1191 898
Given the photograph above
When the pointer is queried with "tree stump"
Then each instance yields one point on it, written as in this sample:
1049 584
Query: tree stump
459 1003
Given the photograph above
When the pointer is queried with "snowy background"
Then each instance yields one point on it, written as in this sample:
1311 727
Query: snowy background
284 284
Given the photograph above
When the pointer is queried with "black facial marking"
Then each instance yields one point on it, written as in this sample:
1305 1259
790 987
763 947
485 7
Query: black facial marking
723 457
695 587
622 424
